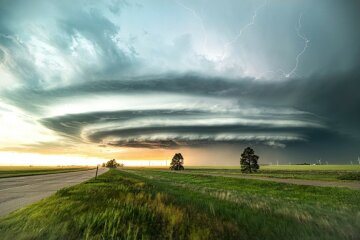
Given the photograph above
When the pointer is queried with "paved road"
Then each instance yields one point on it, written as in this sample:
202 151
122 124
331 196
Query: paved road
319 183
17 192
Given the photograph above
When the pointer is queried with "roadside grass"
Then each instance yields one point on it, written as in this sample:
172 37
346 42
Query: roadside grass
151 204
18 171
322 212
115 206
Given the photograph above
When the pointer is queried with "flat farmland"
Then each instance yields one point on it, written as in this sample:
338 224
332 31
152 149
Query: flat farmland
160 204
310 172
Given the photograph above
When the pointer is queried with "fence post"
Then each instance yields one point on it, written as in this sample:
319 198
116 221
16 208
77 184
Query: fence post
97 168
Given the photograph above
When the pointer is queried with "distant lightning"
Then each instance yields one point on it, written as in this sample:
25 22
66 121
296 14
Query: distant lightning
204 32
306 45
297 58
197 16
237 36
228 44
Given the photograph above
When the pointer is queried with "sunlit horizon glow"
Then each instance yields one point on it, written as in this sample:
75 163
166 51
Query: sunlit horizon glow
87 81
26 159
33 159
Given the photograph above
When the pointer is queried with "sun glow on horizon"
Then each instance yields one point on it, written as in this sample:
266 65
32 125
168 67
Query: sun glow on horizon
21 159
145 163
35 159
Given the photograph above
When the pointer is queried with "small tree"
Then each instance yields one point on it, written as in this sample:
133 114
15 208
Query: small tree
111 164
177 162
249 161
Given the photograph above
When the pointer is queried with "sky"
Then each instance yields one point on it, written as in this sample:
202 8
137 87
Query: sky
84 81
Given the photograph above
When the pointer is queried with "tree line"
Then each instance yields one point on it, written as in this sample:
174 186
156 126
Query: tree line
248 162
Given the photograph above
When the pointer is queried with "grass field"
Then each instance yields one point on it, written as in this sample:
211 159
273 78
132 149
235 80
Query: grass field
312 167
17 171
311 172
151 204
289 167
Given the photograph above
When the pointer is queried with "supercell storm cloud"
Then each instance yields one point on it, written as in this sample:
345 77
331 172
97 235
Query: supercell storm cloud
280 75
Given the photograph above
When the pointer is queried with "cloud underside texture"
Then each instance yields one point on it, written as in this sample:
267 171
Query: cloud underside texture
247 112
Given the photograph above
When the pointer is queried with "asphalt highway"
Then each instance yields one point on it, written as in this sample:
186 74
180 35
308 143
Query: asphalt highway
18 192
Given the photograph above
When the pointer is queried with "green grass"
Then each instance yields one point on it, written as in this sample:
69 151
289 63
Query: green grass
152 204
290 167
18 171
313 167
310 172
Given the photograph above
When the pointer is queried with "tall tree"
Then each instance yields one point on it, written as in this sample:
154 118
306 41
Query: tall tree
249 161
111 164
177 162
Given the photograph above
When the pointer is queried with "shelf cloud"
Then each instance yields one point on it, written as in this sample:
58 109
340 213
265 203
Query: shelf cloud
134 75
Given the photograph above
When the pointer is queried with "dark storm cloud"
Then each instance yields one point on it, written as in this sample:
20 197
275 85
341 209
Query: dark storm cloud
331 101
62 53
334 97
272 128
72 124
331 97
252 134
167 144
60 33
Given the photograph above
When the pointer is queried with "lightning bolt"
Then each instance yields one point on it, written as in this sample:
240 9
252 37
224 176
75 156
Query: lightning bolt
199 18
244 28
306 45
292 72
228 44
